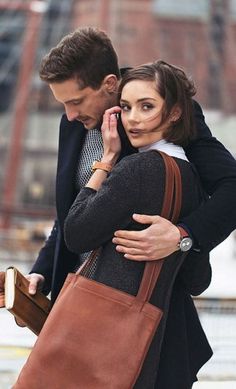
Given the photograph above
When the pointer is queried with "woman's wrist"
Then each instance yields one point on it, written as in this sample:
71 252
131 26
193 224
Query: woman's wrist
96 180
107 167
110 160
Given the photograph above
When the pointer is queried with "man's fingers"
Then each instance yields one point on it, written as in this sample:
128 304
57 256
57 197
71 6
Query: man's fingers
148 257
32 287
131 250
2 301
138 258
36 282
2 281
127 242
157 241
145 219
137 235
33 282
2 289
128 235
20 322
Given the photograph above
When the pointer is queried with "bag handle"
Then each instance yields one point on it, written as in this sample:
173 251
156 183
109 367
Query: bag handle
170 210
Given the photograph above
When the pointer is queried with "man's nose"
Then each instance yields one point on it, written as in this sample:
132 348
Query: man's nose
71 114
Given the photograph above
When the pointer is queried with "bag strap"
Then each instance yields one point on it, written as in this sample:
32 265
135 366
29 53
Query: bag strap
170 210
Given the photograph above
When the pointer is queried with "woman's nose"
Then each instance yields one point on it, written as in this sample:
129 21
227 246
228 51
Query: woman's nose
133 116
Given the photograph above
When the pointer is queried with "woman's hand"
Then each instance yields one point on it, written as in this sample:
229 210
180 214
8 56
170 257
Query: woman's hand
111 139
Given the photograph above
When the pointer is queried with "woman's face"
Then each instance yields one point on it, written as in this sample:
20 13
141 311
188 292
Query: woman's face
141 113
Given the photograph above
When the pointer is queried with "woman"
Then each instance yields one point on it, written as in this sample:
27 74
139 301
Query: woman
156 112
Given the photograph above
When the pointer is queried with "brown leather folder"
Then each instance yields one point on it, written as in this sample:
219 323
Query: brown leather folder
31 309
2 293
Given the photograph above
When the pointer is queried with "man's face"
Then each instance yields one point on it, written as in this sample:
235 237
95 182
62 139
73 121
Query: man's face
86 105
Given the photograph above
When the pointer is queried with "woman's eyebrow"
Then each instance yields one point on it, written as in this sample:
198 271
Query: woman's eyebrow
139 100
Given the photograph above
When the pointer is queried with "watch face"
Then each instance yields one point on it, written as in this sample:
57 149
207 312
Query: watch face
186 244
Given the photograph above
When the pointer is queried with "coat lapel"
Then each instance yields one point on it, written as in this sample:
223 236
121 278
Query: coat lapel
70 143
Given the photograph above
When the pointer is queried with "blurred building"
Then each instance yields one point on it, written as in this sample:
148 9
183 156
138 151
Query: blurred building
199 36
28 140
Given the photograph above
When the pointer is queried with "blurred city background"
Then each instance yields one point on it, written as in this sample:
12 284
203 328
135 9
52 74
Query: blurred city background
199 36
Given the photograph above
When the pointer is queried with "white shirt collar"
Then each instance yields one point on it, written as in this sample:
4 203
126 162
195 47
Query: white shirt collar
167 147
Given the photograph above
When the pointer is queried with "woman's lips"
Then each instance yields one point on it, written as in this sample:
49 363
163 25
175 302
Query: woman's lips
134 132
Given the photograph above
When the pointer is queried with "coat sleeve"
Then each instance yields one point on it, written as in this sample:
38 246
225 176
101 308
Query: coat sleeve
211 223
95 216
44 262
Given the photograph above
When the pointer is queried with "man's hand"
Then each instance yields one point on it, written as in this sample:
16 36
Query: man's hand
157 241
36 283
2 294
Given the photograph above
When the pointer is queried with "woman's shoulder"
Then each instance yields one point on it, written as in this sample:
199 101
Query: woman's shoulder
145 166
148 161
141 158
151 161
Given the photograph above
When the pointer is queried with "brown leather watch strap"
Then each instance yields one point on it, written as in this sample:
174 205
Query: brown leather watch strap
183 232
101 165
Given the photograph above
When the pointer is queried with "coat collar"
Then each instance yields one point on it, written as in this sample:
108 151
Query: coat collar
70 143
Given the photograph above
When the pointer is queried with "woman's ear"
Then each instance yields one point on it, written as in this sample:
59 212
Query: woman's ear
176 113
110 83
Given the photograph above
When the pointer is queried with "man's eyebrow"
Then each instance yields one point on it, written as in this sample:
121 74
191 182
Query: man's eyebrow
79 100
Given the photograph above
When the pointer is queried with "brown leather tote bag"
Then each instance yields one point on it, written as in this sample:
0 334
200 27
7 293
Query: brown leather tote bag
97 337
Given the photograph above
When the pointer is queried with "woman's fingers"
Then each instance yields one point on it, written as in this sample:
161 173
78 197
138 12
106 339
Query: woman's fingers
109 117
111 139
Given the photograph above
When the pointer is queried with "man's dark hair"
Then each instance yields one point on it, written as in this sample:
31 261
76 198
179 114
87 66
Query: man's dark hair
86 54
176 89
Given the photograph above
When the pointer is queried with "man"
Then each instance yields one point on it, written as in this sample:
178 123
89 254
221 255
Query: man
83 74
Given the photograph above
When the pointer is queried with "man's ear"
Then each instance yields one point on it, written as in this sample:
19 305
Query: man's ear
176 113
110 83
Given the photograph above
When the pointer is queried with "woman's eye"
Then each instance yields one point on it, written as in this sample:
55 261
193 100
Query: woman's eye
124 107
146 107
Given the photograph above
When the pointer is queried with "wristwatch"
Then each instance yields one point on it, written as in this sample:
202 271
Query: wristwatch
101 165
185 242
